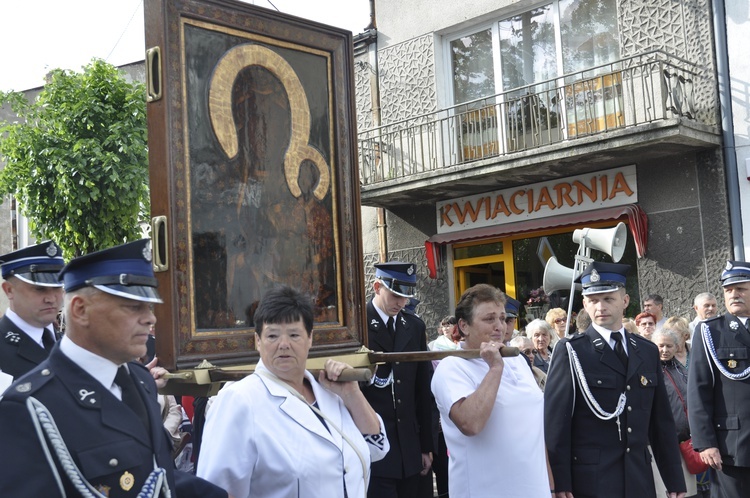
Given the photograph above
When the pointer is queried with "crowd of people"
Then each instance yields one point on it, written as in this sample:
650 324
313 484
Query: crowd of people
592 405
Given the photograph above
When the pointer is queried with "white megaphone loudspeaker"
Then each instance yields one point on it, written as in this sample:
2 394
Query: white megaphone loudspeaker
557 276
609 240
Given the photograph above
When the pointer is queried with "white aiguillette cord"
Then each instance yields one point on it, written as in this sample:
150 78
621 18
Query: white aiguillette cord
273 377
576 371
44 424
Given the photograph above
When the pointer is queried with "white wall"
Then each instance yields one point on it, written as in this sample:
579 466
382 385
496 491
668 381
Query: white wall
427 16
738 25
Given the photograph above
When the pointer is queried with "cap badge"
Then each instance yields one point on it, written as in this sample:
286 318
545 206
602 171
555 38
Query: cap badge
732 363
729 265
410 270
595 276
147 252
644 380
51 250
734 325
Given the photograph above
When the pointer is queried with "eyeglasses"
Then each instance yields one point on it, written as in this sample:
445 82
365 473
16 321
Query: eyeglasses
529 352
561 320
647 324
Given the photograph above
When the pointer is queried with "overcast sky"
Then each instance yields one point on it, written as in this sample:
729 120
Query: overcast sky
37 36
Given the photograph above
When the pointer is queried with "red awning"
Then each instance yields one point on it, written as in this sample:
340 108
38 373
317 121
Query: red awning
637 223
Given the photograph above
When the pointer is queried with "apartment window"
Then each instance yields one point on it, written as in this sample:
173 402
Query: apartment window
507 77
528 53
473 66
588 29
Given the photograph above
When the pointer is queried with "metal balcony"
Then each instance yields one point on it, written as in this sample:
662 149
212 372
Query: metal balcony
590 115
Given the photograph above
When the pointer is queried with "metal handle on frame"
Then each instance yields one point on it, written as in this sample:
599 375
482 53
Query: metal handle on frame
160 241
153 74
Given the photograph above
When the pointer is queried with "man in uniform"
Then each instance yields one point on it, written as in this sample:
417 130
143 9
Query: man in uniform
400 392
87 417
512 307
35 298
719 387
598 436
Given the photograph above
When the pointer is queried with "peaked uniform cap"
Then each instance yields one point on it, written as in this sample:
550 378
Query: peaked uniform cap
599 277
400 278
37 265
735 272
124 271
512 306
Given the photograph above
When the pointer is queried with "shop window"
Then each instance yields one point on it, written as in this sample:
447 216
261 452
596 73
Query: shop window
529 264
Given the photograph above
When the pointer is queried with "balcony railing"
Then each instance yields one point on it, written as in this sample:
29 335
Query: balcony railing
649 87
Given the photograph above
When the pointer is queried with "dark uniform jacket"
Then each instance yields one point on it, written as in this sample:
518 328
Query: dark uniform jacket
719 408
406 408
586 454
105 438
19 353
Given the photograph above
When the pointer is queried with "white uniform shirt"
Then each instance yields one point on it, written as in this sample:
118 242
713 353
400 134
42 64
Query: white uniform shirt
507 458
261 441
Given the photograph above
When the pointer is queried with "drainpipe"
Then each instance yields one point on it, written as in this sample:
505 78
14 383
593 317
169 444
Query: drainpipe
375 100
727 129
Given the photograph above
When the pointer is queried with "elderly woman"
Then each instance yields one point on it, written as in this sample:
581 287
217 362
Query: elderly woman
681 329
526 347
558 318
675 381
646 323
481 401
540 333
281 432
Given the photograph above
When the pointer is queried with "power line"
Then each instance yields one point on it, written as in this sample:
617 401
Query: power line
127 26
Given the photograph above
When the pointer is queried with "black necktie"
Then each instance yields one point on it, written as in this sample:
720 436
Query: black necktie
130 395
48 339
391 329
619 349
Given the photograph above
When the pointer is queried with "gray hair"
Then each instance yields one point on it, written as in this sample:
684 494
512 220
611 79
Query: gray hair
539 324
520 342
703 296
670 334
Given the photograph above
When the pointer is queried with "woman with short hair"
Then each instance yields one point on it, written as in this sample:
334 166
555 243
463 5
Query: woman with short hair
540 332
481 401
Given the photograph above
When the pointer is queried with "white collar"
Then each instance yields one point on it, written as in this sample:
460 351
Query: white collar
383 315
102 369
607 335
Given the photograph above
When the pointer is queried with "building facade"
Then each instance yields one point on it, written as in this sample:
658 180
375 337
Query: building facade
489 131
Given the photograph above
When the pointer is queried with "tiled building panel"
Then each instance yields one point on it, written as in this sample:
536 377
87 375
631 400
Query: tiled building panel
362 72
680 28
407 79
676 275
715 221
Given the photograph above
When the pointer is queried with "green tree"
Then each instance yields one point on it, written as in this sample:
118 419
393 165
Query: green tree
77 160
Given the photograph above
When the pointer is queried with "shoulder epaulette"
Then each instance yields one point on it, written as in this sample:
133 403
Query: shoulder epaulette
28 384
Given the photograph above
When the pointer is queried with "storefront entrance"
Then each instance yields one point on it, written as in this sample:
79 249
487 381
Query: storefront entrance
516 263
